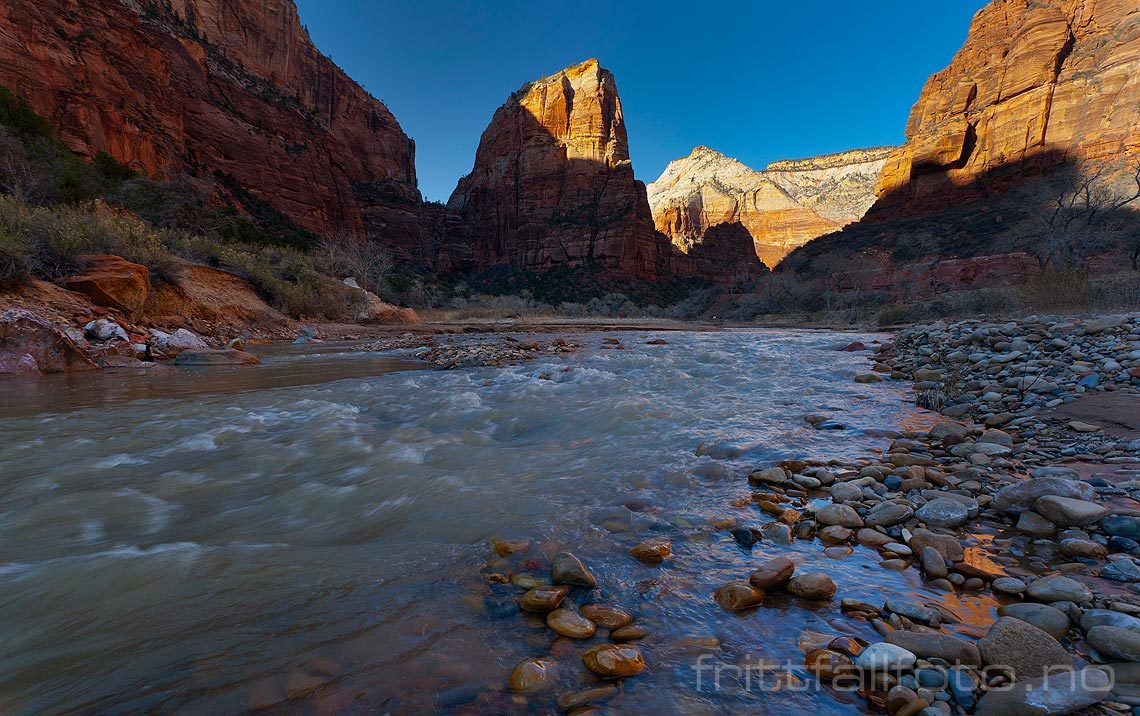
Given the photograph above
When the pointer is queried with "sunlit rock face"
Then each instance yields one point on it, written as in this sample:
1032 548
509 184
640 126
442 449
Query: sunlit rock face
782 207
1037 82
202 86
553 185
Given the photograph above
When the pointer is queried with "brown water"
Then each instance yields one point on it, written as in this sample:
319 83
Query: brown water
185 543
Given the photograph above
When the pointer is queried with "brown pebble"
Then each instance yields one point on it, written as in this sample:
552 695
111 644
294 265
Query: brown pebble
630 632
606 616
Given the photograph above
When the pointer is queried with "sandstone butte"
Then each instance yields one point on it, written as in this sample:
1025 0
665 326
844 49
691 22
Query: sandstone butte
553 183
781 207
232 86
1037 82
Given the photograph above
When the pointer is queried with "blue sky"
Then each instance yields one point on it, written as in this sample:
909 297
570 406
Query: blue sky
759 81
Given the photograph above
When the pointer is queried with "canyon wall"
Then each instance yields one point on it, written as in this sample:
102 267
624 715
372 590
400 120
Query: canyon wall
553 185
781 207
1037 82
204 86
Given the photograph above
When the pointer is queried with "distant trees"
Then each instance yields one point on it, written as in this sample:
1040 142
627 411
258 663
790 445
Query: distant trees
1085 213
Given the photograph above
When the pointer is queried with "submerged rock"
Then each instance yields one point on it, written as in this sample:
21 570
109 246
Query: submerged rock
613 660
531 675
653 551
216 358
738 596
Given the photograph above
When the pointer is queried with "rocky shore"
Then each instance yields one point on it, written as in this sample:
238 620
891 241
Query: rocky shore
448 352
1006 495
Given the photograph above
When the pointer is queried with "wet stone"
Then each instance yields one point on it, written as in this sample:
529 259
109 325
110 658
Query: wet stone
570 623
653 551
578 699
631 632
543 599
813 585
1054 695
606 616
773 574
531 675
738 596
827 665
1114 643
565 568
613 660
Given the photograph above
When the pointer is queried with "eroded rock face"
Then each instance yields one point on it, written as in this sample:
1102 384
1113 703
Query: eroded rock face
29 343
782 207
234 86
553 185
112 282
1035 82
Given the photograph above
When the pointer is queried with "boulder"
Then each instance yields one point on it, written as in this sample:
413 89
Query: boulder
1115 643
374 309
884 656
943 512
1055 695
1058 588
940 646
1023 648
103 330
1021 496
1053 622
112 282
29 343
1069 512
842 515
171 344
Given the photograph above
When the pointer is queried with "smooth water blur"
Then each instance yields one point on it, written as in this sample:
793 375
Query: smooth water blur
324 517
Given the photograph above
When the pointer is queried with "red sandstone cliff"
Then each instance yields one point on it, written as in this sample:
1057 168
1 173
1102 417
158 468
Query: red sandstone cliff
1037 81
172 86
553 185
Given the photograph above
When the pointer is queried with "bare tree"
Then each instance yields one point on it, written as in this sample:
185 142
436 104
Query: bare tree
1082 216
362 258
19 176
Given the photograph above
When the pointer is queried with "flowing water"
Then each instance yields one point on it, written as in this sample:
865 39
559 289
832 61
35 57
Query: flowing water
201 541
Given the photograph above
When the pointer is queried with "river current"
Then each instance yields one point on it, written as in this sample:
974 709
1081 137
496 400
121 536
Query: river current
200 542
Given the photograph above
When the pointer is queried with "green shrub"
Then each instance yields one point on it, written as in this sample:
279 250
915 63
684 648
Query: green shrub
14 269
15 112
895 314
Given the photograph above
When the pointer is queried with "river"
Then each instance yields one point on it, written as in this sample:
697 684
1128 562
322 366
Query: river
198 541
